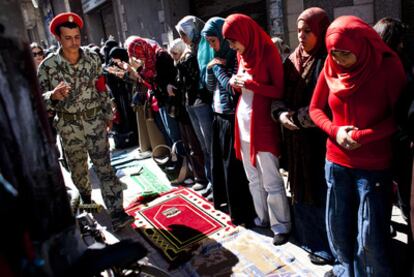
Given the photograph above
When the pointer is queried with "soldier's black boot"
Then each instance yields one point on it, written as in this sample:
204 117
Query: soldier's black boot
120 219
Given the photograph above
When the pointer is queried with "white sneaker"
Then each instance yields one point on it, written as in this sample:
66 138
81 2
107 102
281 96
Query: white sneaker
198 186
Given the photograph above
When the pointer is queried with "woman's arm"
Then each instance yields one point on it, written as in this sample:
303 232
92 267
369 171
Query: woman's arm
395 84
223 79
273 62
211 80
317 108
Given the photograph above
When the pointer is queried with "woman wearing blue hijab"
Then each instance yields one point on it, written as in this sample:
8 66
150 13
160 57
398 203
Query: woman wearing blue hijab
198 99
230 185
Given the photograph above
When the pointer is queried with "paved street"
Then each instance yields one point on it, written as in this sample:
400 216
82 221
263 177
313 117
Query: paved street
294 251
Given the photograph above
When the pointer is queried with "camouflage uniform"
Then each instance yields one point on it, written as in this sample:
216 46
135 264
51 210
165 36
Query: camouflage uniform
81 122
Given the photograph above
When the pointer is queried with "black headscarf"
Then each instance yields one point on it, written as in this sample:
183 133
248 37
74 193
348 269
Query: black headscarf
109 44
118 53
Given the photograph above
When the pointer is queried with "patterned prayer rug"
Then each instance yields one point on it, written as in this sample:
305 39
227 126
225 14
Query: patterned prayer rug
178 221
145 182
245 253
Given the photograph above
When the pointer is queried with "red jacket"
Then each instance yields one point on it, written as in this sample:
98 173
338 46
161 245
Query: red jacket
267 84
370 108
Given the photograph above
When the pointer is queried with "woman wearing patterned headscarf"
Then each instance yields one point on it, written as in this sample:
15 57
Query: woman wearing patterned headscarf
303 142
360 83
158 74
260 80
229 182
198 99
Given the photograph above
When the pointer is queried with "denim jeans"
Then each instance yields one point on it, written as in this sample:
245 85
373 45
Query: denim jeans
201 117
357 220
171 129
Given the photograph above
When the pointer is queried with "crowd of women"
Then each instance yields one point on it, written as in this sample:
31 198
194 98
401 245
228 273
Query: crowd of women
335 114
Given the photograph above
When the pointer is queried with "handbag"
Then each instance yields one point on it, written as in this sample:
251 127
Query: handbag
171 163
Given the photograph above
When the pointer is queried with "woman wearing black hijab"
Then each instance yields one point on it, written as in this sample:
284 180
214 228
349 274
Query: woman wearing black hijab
125 126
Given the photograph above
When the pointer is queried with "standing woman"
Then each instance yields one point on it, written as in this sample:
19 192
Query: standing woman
159 73
303 141
124 129
187 83
229 183
198 99
360 83
394 33
257 137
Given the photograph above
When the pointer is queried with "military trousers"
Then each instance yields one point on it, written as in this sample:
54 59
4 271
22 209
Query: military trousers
89 136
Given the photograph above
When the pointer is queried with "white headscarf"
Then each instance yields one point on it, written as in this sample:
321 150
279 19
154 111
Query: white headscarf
177 46
191 26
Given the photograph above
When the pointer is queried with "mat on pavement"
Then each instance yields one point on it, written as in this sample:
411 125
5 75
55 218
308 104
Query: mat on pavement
177 221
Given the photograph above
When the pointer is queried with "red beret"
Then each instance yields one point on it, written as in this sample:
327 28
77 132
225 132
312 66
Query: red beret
65 17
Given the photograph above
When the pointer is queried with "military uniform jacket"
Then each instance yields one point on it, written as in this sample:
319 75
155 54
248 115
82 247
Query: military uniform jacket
81 77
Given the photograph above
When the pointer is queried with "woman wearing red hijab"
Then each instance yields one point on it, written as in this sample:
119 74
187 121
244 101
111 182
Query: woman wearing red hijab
303 141
360 83
260 80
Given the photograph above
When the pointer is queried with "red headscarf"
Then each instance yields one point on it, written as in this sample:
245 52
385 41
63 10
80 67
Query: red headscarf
145 49
351 33
318 21
242 28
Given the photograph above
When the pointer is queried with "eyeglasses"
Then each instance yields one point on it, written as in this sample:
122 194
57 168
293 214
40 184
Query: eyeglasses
40 53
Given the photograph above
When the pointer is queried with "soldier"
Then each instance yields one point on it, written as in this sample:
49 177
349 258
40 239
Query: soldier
73 86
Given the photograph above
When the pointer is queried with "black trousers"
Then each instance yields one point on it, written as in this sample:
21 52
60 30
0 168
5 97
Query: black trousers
192 148
230 185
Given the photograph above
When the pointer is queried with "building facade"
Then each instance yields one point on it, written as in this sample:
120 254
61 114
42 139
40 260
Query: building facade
156 19
369 10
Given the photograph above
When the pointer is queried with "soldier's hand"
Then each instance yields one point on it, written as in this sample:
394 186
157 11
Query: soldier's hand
60 92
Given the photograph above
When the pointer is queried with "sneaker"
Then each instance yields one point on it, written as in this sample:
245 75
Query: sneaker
199 186
316 260
280 239
120 220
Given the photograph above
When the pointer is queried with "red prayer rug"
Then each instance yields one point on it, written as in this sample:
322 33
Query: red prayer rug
178 221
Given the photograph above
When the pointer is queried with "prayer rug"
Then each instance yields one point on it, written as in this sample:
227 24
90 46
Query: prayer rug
245 253
177 222
145 183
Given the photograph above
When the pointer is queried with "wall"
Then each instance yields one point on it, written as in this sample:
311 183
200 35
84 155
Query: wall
12 20
93 27
206 9
292 10
174 11
369 10
276 19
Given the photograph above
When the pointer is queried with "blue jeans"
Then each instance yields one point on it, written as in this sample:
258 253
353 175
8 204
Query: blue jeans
357 220
201 117
171 129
